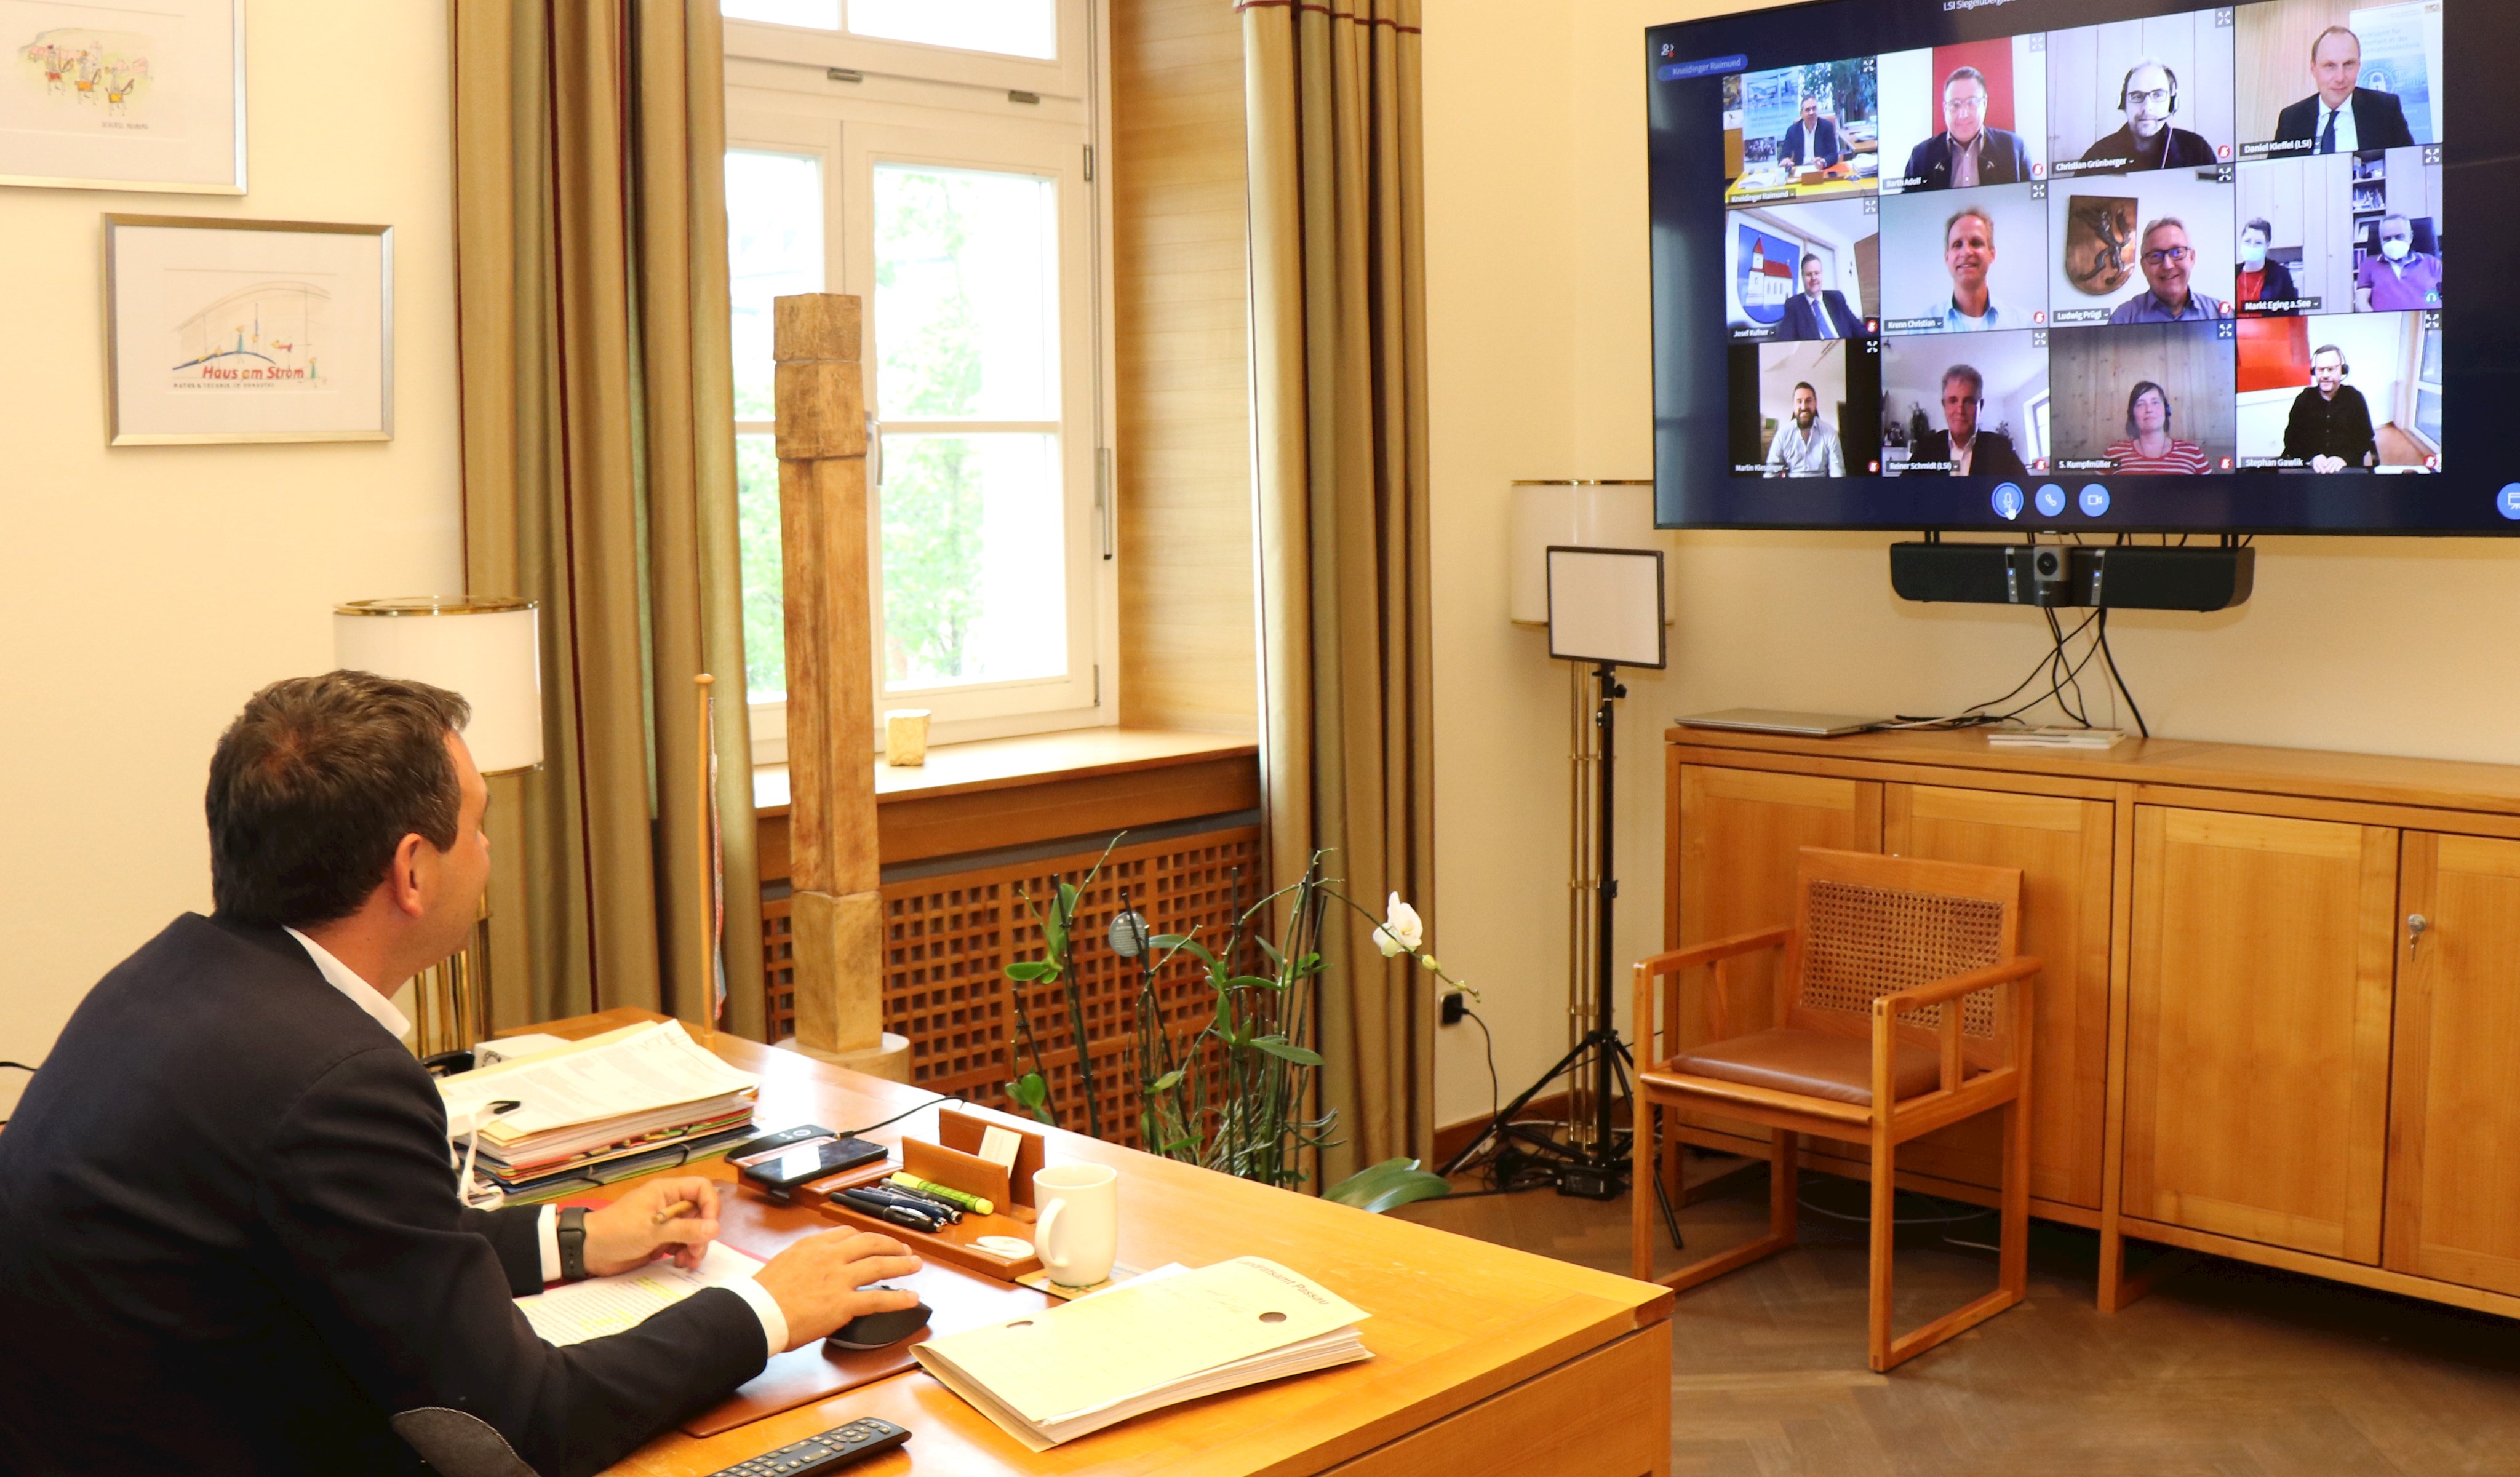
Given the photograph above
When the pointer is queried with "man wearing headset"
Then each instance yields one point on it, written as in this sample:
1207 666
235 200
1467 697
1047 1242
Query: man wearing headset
2330 428
2149 138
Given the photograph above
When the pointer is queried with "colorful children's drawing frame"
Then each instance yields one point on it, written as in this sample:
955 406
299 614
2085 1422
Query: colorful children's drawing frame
121 102
220 330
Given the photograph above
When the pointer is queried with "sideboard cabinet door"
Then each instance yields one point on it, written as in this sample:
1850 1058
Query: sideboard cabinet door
2257 1031
2063 848
2455 1113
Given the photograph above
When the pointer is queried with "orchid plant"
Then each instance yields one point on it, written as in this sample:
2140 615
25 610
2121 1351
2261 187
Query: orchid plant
1237 1095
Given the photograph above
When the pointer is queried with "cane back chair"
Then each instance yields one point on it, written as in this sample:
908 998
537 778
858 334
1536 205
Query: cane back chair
1900 1009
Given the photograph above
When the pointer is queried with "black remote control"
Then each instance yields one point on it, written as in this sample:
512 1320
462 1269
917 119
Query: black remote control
828 1452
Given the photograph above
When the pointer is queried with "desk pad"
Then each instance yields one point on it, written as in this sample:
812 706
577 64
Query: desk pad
801 1376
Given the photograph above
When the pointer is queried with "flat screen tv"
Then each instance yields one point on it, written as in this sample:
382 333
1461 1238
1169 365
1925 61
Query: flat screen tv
2091 267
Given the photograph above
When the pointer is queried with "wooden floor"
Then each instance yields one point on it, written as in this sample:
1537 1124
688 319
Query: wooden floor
2227 1370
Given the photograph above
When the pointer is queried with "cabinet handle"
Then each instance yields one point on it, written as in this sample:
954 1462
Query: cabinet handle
2416 923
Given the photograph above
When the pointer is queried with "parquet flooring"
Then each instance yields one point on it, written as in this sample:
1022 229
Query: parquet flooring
2226 1370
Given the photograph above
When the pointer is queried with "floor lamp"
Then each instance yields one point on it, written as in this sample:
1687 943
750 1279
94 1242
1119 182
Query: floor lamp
492 656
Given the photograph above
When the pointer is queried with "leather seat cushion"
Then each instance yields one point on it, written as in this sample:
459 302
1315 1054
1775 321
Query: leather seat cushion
1813 1065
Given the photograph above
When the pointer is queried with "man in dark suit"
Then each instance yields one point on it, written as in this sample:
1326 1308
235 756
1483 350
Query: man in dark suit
1815 314
1813 140
230 1223
1968 154
1968 451
2341 118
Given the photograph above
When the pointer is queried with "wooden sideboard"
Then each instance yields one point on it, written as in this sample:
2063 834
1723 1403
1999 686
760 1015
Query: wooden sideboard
2244 1044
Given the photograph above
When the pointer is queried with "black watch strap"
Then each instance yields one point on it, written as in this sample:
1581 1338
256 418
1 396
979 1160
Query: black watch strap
572 1233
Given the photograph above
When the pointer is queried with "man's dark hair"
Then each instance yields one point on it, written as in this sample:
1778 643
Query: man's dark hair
314 787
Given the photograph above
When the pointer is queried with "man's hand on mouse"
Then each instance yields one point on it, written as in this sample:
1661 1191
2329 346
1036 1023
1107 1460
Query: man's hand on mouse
673 1218
824 1280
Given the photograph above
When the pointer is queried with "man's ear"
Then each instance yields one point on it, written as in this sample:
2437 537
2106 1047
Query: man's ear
403 883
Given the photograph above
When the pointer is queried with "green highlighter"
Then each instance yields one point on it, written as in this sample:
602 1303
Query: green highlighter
972 1203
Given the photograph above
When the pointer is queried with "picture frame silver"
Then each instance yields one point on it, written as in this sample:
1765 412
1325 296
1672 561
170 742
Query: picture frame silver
134 424
23 149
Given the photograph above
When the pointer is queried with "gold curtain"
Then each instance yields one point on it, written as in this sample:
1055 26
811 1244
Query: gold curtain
598 479
1339 401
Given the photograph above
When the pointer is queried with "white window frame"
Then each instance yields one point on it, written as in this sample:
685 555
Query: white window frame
923 104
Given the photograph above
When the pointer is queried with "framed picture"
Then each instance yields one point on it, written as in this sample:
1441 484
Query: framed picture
220 330
118 97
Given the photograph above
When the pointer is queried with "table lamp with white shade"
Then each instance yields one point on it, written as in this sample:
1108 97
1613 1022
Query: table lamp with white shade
489 649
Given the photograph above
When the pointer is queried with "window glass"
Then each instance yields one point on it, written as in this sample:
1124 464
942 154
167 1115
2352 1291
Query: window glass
974 560
966 288
774 223
1015 27
765 606
823 15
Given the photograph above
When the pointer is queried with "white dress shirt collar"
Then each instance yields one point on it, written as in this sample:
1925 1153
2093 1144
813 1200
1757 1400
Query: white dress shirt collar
2348 137
360 993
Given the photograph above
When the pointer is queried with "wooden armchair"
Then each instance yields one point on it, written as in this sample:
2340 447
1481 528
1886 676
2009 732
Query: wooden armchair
1900 1009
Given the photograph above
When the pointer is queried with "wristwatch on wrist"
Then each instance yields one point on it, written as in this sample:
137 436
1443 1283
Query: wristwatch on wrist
570 1230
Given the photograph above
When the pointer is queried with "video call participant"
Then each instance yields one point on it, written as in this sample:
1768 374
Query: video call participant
2149 138
1814 141
2341 118
1971 452
231 1235
2331 428
2401 279
2168 259
1805 447
1967 154
2259 280
1968 254
2149 449
1815 314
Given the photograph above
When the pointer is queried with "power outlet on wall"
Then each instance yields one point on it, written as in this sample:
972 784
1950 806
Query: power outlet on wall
1455 1006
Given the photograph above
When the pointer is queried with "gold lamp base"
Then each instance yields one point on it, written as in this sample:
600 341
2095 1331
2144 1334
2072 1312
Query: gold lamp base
451 998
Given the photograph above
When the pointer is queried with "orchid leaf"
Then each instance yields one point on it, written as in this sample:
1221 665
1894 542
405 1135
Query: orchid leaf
1032 969
1285 1049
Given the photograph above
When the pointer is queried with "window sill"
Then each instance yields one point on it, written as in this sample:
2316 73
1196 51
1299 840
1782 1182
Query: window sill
997 793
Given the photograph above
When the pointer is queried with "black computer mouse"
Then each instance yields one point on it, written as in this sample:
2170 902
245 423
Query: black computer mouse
876 1330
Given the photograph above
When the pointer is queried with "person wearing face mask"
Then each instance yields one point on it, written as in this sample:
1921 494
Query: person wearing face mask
2150 450
2401 279
2149 138
2331 428
2341 118
2259 279
2168 262
1805 447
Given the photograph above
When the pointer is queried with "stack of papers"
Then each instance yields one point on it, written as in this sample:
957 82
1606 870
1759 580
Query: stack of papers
578 1312
602 1109
1170 1335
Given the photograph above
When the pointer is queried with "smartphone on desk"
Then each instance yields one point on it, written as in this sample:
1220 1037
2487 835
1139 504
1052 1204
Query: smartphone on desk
777 1171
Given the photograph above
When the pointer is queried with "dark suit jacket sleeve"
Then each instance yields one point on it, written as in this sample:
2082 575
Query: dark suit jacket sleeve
516 1234
2279 285
413 1296
2001 459
1921 159
2380 120
1796 324
1850 323
2297 429
2364 443
2297 122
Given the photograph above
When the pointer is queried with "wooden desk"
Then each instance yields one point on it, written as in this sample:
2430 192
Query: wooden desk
1486 1359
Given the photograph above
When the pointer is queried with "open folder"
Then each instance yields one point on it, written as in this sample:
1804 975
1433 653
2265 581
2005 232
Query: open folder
1170 1335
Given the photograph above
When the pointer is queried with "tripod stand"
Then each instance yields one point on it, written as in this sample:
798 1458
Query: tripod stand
1597 1170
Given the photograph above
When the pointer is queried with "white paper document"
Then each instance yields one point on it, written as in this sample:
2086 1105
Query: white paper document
637 1070
1164 1337
591 1309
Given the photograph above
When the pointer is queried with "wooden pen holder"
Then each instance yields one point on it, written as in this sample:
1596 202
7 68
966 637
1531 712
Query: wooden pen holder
955 1164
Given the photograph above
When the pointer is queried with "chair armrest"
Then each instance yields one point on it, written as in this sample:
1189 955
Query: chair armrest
1674 960
1951 987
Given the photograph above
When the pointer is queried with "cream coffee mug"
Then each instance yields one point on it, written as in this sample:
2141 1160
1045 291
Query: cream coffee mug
1078 1234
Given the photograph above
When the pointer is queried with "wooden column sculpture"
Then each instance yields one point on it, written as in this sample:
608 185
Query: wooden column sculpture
838 911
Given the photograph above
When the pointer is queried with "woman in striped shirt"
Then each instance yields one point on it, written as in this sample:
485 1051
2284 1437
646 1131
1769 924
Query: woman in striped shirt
2149 449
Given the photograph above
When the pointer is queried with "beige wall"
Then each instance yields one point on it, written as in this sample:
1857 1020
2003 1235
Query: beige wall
1540 350
150 590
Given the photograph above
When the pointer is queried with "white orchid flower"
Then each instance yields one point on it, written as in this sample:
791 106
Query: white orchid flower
1402 930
